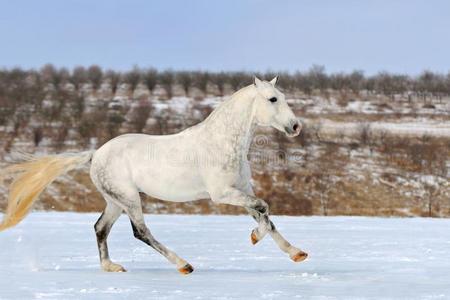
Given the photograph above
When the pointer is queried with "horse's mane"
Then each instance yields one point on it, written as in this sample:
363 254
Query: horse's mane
232 98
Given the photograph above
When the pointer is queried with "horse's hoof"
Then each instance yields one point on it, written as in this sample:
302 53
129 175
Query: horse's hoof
113 268
186 269
254 238
300 256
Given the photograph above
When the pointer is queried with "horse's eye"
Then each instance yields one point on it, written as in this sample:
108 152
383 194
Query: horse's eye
273 99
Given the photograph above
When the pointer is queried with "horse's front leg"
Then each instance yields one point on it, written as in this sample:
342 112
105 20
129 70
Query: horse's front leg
295 254
259 209
264 224
259 232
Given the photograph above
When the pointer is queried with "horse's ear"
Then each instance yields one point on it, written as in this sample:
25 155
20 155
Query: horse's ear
274 81
257 82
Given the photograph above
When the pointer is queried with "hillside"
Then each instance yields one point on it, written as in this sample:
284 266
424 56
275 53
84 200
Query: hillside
361 152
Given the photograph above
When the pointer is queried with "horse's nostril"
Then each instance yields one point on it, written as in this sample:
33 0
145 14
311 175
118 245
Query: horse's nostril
296 127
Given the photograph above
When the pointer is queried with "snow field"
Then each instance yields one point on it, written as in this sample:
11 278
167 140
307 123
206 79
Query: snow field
54 255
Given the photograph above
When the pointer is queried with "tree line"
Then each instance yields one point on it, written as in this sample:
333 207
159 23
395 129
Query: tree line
427 84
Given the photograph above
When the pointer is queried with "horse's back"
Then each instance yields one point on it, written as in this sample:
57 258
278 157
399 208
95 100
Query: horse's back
163 167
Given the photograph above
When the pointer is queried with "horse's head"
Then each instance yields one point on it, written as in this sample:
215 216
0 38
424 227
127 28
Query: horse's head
273 110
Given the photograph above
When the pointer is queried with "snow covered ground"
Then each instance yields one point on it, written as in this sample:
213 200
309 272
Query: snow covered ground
54 256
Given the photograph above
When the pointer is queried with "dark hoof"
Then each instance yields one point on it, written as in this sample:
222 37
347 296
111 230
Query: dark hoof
301 256
186 269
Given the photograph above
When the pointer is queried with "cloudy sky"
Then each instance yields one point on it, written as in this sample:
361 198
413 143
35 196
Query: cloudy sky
397 36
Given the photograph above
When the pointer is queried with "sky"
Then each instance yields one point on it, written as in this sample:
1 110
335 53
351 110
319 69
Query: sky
253 35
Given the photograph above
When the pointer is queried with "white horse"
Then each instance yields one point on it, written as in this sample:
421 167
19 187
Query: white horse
208 160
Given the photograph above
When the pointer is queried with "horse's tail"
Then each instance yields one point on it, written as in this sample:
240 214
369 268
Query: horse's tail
30 179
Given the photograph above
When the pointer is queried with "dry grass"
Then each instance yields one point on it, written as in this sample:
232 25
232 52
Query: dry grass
338 174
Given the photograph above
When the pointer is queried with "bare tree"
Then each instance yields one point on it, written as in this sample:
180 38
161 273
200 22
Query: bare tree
151 79
185 79
167 79
95 76
370 85
47 72
339 81
356 80
400 84
219 79
426 83
78 77
114 80
286 82
239 79
383 83
303 82
132 78
53 76
318 77
201 80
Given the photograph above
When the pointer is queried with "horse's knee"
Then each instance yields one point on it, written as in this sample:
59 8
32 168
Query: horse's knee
261 207
140 232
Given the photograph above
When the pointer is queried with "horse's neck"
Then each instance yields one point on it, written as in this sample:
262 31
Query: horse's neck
233 122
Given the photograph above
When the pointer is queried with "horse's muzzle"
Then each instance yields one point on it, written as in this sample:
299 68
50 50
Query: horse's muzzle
293 129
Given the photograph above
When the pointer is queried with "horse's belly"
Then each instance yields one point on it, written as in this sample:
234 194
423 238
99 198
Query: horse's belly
177 187
176 195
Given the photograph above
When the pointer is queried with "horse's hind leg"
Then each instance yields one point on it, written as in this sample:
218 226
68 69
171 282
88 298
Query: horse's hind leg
102 229
121 193
141 232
